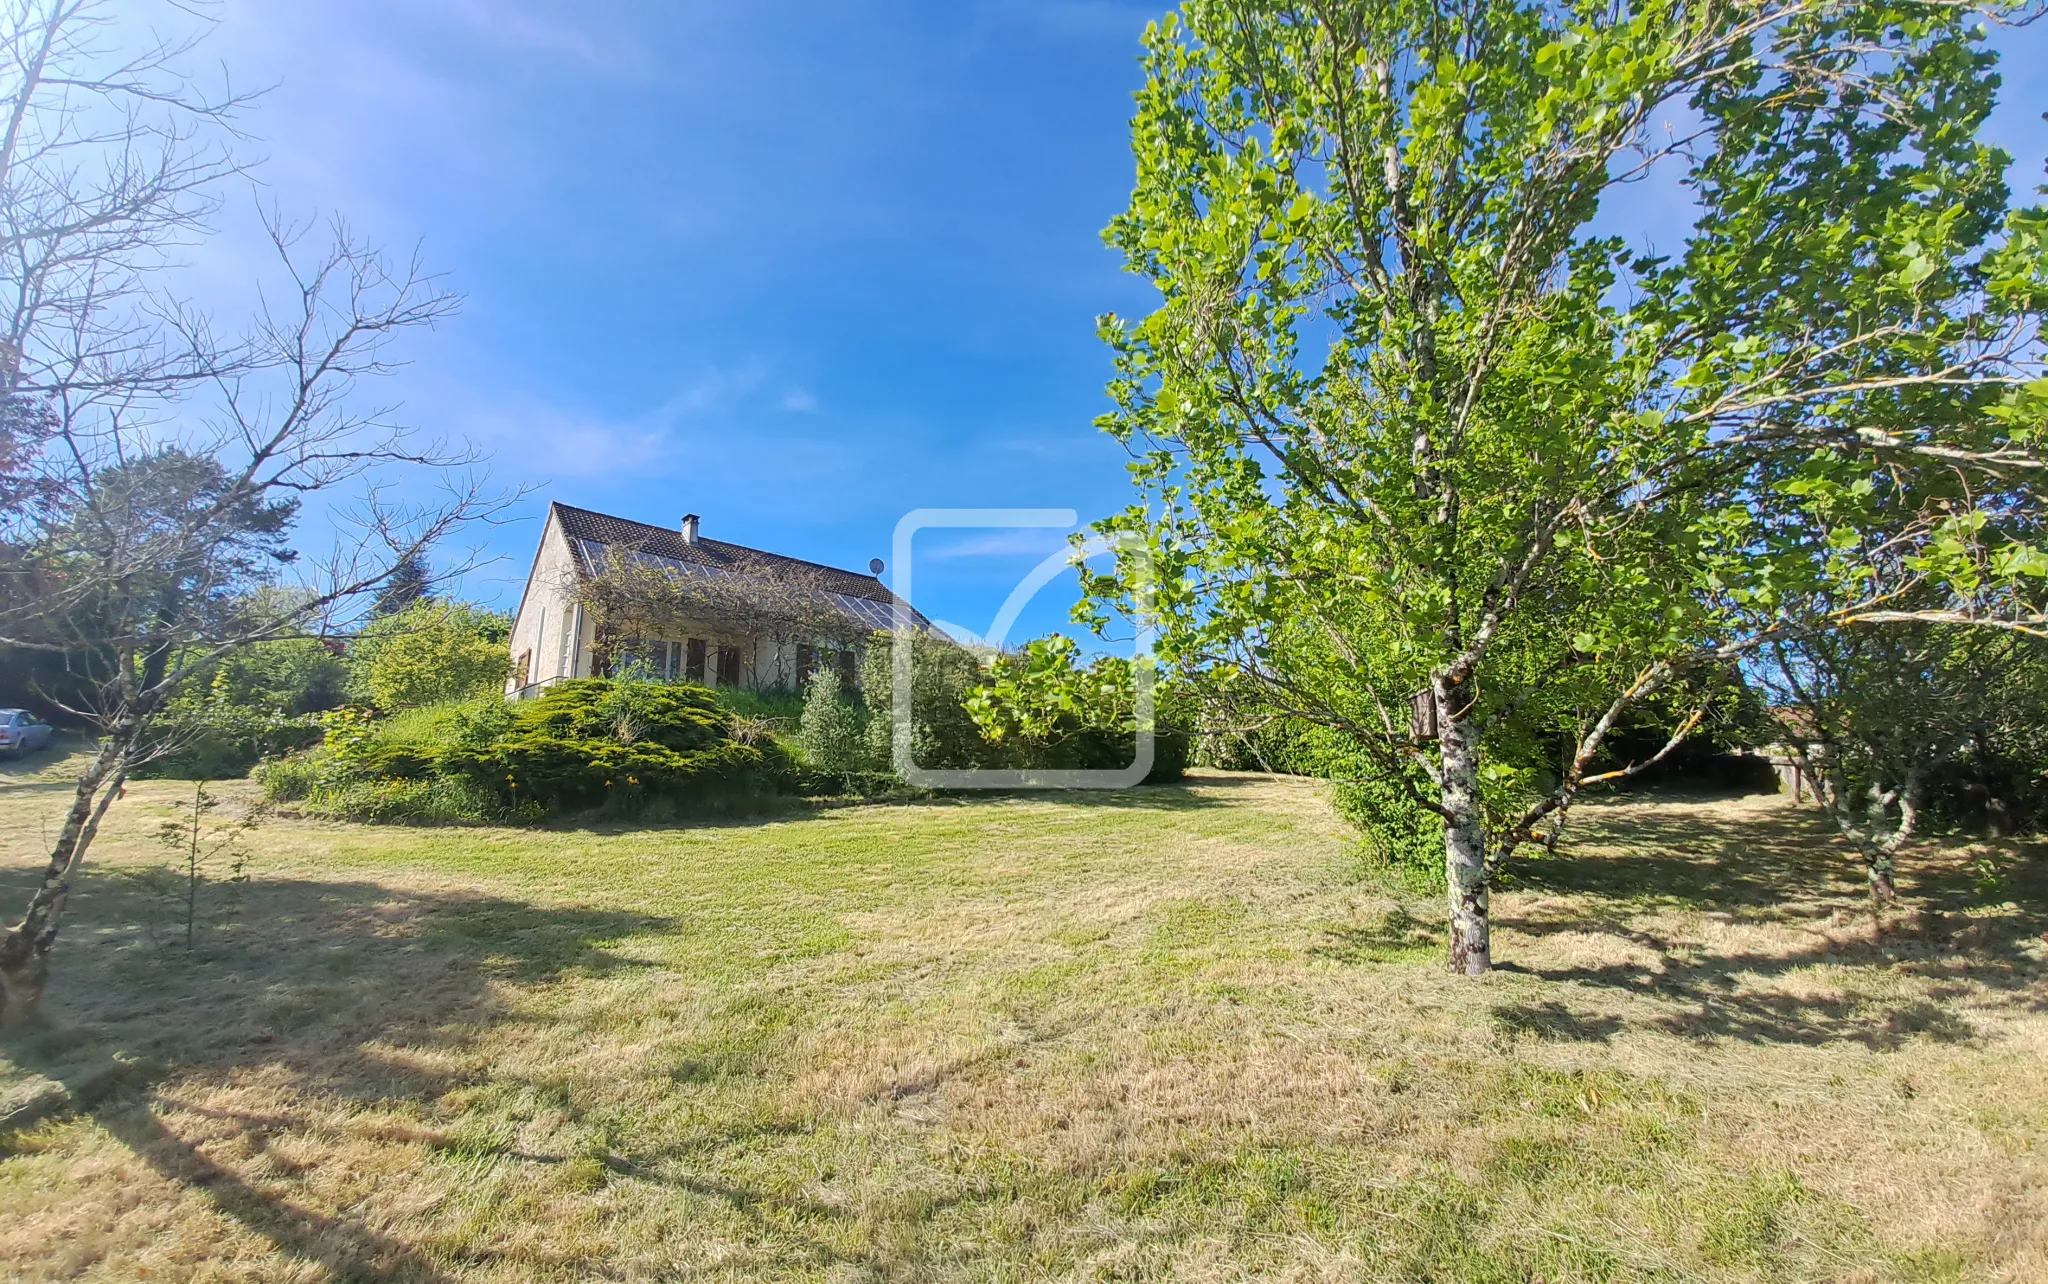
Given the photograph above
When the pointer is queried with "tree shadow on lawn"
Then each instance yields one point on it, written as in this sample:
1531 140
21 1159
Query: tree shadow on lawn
46 771
1782 867
1178 796
318 979
19 770
1204 792
1783 860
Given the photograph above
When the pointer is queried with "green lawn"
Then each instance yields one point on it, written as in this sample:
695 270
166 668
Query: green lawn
1170 1034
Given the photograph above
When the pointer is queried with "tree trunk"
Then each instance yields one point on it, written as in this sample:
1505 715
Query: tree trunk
25 950
1471 951
1884 890
1882 864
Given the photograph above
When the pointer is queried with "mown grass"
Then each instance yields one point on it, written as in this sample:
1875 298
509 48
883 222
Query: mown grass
1171 1034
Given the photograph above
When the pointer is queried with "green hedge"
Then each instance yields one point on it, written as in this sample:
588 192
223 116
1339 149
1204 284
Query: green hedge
589 744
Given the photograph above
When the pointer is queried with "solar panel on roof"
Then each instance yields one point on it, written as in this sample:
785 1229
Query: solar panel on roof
872 615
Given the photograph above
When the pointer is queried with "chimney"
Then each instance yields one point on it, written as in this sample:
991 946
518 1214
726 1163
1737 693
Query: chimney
689 528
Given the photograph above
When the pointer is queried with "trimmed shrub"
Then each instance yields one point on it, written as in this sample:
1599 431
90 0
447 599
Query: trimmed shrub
583 745
597 743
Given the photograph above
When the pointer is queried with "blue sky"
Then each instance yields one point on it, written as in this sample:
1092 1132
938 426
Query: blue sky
797 266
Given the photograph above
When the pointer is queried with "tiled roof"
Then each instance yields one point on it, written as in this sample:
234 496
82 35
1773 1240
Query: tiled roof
583 525
1796 722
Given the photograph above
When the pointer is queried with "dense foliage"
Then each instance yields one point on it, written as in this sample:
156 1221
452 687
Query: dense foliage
1036 709
847 734
589 744
429 652
1425 462
1041 707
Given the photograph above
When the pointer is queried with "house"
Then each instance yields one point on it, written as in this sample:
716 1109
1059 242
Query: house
608 597
1800 747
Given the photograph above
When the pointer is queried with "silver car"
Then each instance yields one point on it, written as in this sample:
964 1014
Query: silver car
21 732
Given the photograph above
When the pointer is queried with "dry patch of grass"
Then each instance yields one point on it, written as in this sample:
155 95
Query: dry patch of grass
1170 1034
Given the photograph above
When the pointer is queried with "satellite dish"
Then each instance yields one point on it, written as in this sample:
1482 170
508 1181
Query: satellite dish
875 565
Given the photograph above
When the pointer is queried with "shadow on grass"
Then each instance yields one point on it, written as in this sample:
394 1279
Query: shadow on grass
19 768
1395 937
1553 1022
345 1250
1781 860
1783 866
1178 796
47 770
318 980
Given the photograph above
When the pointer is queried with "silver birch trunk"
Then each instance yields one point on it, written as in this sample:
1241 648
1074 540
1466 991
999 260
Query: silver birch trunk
1471 947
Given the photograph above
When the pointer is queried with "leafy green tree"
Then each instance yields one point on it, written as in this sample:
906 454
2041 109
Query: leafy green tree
290 676
1873 715
943 675
430 652
1047 709
1424 462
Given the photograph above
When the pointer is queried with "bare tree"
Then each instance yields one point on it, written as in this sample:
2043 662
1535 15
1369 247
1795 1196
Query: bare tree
165 465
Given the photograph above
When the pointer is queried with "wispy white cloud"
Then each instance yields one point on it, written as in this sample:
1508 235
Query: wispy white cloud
531 436
1034 543
517 25
797 401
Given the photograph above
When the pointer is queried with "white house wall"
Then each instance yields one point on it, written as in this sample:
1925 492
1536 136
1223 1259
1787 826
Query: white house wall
548 602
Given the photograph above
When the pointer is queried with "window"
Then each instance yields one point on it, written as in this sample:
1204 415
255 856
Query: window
811 659
644 659
693 660
728 666
523 672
